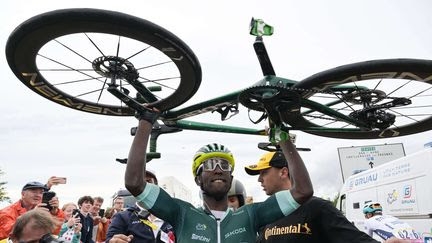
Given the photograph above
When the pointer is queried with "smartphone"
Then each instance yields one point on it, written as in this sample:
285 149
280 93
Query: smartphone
61 180
46 197
75 212
101 212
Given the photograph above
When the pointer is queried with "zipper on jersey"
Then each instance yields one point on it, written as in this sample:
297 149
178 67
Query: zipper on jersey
218 231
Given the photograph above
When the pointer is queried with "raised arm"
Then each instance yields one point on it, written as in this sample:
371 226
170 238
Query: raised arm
136 164
301 189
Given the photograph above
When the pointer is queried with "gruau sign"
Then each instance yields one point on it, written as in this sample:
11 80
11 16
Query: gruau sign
359 158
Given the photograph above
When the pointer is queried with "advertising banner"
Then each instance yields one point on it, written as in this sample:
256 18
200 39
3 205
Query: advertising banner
356 159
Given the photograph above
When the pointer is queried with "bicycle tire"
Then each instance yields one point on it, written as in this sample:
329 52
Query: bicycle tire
411 72
34 34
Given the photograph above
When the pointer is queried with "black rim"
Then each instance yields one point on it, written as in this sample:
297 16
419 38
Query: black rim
72 61
397 83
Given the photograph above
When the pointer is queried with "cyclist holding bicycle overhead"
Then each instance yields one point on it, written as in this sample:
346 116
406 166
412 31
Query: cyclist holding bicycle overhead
212 167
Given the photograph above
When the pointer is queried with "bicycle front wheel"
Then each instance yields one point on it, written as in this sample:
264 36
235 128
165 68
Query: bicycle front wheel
391 97
69 56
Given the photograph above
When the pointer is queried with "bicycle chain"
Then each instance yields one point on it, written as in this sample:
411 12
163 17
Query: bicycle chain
317 91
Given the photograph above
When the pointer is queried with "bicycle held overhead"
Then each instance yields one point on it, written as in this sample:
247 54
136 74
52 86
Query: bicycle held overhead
74 56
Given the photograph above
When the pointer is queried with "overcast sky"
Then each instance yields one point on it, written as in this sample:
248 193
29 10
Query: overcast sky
39 138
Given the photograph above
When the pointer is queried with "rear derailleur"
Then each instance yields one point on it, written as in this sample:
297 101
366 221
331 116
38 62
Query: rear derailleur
376 117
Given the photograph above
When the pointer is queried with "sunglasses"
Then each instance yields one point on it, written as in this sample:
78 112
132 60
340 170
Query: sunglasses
210 164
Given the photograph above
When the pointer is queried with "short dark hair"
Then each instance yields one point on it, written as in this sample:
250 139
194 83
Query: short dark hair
84 199
40 219
98 199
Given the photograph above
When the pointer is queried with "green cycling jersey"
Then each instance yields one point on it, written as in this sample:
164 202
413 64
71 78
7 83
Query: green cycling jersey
199 225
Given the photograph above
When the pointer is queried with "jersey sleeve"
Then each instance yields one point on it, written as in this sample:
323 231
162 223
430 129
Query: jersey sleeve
336 225
275 207
160 203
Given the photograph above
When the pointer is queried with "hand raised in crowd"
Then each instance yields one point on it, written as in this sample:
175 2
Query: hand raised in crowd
73 221
78 228
54 203
54 180
121 238
42 206
97 220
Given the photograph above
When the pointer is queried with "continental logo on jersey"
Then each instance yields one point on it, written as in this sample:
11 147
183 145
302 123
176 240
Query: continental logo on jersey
292 229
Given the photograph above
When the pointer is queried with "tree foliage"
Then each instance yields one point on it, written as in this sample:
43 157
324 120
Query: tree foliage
3 193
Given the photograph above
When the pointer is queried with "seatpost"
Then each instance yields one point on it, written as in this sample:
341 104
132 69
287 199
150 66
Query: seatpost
263 58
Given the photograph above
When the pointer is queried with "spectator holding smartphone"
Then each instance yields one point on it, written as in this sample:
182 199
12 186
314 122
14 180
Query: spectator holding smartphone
31 197
100 222
71 229
55 180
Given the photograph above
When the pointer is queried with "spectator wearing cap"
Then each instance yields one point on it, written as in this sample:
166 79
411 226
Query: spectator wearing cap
317 220
31 197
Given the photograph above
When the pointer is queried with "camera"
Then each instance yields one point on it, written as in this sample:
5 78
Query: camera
75 212
101 212
46 197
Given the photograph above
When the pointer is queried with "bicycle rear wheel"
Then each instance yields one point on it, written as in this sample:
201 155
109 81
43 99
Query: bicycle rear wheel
380 81
65 56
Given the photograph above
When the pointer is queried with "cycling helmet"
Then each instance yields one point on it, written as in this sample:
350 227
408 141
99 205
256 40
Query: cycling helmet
237 189
209 151
372 207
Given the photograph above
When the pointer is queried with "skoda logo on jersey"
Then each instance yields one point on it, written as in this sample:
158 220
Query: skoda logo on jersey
200 227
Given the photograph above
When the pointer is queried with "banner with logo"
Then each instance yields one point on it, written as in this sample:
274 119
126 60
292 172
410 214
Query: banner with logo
356 159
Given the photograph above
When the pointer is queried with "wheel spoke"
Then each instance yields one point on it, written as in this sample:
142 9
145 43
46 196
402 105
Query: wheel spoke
329 123
86 93
324 97
409 117
417 115
66 66
94 44
376 86
70 49
77 81
118 47
420 92
65 70
323 115
121 102
344 101
153 65
155 81
138 52
411 107
100 94
398 88
424 95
